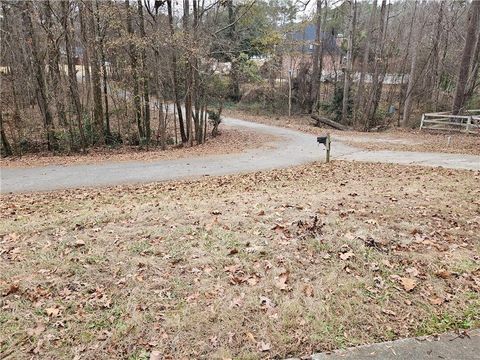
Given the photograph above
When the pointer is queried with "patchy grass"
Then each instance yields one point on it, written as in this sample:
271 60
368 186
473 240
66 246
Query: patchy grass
394 139
270 264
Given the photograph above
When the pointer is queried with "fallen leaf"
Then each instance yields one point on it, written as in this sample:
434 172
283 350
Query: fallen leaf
263 346
12 289
444 274
308 290
267 303
435 300
79 243
282 281
53 312
347 255
214 341
387 264
412 271
155 355
251 337
36 331
389 312
408 283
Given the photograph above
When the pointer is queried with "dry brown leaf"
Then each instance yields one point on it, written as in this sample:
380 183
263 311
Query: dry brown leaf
408 283
308 290
155 355
233 251
263 346
435 300
282 281
444 274
53 312
79 243
251 337
389 312
387 264
36 330
347 255
266 303
12 289
412 271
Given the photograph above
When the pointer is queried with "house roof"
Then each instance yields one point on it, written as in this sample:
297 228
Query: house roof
308 34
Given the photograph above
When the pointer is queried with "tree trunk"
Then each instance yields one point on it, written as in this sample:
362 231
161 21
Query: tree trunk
189 77
378 68
86 53
5 144
436 56
162 126
472 82
348 67
39 66
175 74
137 104
145 77
366 56
72 75
401 101
472 25
96 79
411 82
108 132
316 71
235 85
54 66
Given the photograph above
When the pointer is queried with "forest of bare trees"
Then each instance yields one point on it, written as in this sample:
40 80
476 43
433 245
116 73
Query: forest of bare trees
82 73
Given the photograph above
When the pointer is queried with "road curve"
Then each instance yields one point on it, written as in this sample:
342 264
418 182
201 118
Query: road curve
290 148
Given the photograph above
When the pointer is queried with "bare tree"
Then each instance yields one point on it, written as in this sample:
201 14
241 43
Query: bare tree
39 65
96 72
352 4
72 75
135 73
317 68
463 71
366 57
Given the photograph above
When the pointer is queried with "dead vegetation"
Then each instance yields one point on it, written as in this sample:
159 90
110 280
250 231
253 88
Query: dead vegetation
264 265
394 139
230 141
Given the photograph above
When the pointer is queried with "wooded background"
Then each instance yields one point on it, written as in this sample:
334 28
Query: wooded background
83 73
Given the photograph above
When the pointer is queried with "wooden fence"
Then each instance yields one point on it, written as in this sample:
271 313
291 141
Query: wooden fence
445 121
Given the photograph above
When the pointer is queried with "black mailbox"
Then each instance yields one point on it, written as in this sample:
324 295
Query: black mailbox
325 140
322 140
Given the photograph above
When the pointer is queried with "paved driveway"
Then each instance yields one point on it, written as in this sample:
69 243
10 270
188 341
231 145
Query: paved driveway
291 148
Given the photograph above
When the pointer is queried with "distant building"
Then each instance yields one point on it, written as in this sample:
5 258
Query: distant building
303 46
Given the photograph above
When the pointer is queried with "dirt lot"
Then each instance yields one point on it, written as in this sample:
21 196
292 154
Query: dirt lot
230 141
265 265
393 139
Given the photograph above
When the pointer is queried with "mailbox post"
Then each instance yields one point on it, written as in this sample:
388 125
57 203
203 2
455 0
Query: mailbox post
325 140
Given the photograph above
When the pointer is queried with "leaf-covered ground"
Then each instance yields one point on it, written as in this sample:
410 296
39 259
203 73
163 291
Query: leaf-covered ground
270 264
392 139
230 141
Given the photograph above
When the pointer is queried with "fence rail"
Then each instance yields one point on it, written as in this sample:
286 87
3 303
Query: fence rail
445 121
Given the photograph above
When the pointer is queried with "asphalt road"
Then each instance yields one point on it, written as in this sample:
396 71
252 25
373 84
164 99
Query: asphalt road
291 148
